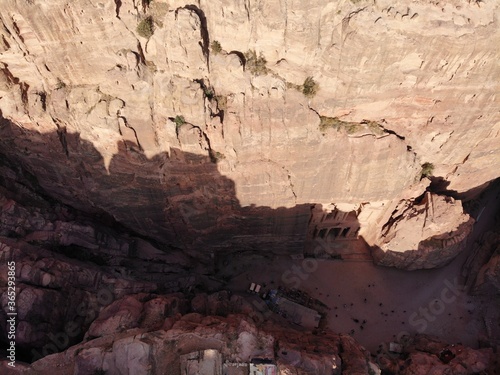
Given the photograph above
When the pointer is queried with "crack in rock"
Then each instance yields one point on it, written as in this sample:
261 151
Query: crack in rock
205 37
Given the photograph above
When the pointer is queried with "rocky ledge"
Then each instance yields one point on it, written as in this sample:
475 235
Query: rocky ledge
149 334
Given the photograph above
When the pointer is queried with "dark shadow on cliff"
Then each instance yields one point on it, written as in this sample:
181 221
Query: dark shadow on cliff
178 201
470 198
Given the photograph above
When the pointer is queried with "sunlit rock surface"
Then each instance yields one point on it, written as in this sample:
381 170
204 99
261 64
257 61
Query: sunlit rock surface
426 234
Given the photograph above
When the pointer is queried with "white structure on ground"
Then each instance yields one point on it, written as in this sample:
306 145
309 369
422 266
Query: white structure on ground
204 362
263 369
209 362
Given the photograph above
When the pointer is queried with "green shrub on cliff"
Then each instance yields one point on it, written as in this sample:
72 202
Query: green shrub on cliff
209 93
216 47
427 170
216 156
60 84
256 64
310 87
179 121
145 28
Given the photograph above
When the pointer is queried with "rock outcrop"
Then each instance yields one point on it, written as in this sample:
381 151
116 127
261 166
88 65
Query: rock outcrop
488 280
423 354
424 234
483 268
30 217
52 291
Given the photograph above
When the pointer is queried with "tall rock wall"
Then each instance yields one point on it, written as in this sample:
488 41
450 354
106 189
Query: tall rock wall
203 134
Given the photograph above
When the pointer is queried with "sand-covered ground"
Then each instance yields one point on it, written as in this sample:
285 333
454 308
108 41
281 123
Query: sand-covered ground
379 304
390 301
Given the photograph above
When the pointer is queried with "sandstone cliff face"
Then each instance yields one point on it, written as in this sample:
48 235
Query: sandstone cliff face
483 265
192 144
420 222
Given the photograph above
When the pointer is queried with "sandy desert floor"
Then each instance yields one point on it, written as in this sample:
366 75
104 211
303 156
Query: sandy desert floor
379 304
391 302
